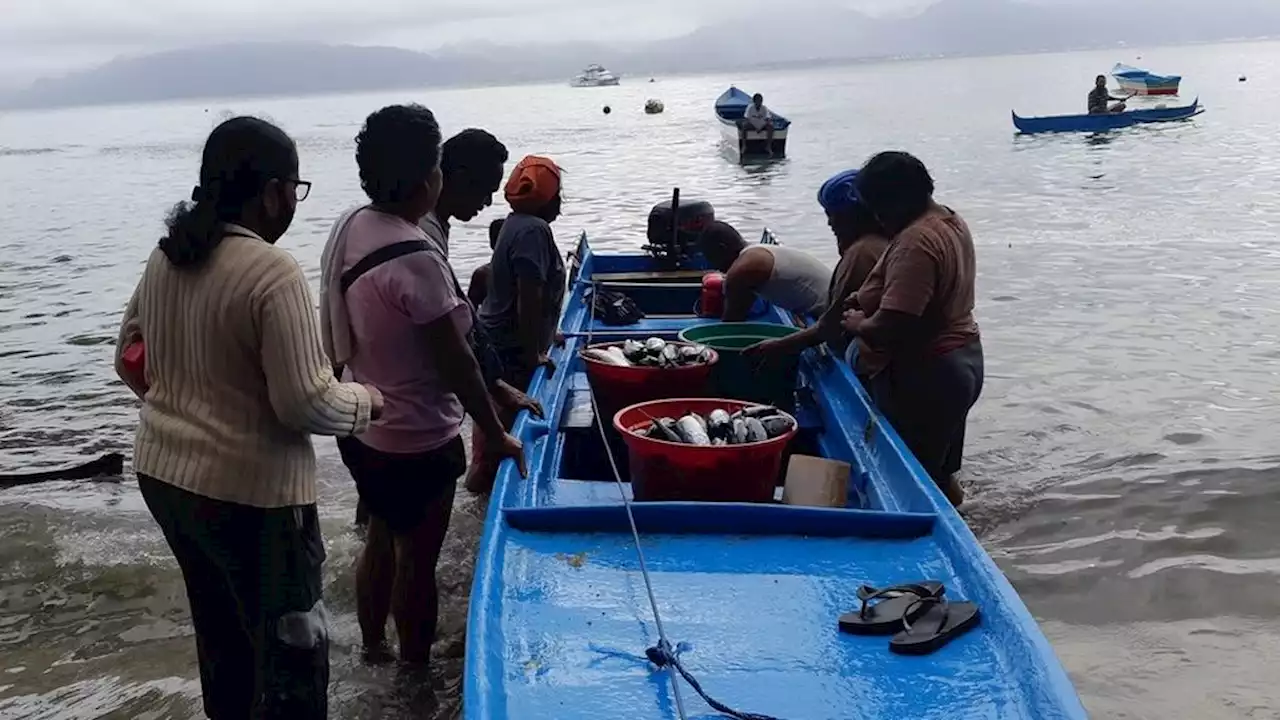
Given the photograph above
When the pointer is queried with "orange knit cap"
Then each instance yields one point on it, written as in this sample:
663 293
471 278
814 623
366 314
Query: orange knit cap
534 183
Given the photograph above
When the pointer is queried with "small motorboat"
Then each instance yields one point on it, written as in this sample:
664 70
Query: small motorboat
749 144
1144 82
1102 122
747 597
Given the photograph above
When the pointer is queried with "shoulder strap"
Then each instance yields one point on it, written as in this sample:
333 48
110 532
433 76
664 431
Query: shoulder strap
382 255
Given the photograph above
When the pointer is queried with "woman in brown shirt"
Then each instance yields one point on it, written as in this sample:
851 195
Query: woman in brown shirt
914 317
860 242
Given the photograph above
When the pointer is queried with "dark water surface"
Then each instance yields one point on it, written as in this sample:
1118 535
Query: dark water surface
1123 467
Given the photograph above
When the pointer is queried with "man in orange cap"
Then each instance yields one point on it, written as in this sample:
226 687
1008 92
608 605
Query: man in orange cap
526 287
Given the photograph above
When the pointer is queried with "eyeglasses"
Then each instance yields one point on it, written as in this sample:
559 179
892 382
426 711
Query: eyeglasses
301 189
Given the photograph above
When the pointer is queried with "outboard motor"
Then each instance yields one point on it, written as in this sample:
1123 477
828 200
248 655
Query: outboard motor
674 228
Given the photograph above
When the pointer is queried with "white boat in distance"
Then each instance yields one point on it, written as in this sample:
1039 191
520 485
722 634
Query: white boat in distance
595 76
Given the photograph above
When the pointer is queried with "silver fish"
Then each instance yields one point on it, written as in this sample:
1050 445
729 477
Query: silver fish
755 431
739 431
756 411
602 356
664 429
618 357
670 355
719 426
776 425
654 345
691 430
633 349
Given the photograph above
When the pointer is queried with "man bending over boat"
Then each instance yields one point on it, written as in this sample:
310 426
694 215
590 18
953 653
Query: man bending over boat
791 279
759 118
1100 96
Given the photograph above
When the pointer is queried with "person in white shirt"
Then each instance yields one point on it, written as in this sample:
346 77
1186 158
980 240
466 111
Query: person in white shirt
758 117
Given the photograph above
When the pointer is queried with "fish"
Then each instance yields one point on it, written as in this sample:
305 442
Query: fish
755 431
692 431
757 411
603 356
739 431
776 425
654 345
619 358
719 426
633 350
664 429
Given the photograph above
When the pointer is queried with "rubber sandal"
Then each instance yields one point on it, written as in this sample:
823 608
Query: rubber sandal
938 624
895 604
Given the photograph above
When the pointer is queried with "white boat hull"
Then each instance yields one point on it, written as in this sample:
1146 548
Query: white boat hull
756 141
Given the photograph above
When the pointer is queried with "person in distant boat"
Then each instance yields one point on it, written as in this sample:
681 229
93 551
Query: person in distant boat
526 291
235 384
478 290
791 279
919 344
392 313
759 118
861 242
1100 96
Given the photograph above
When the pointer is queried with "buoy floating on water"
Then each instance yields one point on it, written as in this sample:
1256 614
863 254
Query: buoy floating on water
1243 78
607 109
653 106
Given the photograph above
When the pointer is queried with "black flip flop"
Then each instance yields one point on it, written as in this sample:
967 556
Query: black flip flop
895 604
938 624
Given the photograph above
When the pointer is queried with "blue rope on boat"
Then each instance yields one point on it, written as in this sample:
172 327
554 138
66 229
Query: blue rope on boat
662 655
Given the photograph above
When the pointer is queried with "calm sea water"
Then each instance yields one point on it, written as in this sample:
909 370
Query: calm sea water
1122 468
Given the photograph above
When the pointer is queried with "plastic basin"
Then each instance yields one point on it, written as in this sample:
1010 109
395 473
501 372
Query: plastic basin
769 381
616 387
662 470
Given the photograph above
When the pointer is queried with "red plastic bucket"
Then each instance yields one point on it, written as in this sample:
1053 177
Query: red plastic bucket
615 387
662 470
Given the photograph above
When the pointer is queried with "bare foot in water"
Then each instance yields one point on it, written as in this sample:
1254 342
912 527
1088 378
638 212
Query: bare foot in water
379 654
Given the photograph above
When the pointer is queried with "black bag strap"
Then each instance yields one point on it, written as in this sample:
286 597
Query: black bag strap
383 255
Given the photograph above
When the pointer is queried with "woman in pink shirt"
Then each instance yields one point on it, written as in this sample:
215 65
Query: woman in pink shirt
398 319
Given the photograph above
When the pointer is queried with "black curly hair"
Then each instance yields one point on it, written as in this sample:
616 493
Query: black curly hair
396 150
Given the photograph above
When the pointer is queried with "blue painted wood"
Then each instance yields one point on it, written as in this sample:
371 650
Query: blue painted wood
1105 121
560 620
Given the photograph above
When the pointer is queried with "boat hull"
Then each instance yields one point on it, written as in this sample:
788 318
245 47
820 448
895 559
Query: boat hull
748 144
1143 82
748 593
1104 121
605 82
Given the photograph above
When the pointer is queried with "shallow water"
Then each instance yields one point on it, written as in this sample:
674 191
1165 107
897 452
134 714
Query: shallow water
1121 468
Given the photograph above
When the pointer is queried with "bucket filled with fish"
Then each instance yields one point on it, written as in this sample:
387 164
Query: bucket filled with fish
636 371
705 449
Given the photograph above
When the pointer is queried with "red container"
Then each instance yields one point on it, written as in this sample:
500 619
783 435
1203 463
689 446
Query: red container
711 303
616 387
662 470
134 359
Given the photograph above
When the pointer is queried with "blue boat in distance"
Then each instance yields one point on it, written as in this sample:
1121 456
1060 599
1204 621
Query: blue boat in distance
748 596
1102 122
749 144
1144 82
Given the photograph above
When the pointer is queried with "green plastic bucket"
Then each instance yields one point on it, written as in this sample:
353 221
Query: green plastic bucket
757 380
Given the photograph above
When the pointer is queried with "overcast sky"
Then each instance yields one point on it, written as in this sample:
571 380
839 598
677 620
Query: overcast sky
41 37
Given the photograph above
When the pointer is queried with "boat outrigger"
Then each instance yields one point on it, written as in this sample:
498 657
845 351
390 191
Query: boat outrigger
587 604
1101 122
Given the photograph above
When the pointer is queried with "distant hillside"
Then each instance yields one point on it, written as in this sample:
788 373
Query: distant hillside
802 33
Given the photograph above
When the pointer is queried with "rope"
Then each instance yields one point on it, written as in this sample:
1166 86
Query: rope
662 655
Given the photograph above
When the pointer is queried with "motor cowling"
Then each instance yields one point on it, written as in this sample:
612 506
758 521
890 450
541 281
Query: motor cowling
684 225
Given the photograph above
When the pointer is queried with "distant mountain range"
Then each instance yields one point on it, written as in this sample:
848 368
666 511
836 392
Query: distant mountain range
804 34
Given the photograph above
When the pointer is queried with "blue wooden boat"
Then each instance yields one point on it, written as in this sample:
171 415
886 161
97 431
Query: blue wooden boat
748 595
1105 121
1144 82
749 144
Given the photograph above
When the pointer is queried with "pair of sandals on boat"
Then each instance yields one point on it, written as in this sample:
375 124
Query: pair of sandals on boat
917 615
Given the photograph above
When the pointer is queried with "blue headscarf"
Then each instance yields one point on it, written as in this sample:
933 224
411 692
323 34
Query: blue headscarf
840 192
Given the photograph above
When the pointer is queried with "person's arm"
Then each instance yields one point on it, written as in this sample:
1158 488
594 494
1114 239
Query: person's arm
130 332
898 326
748 272
300 383
479 287
460 370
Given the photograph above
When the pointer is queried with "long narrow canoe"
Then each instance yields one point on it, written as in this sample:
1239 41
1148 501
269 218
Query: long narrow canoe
749 594
1103 122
